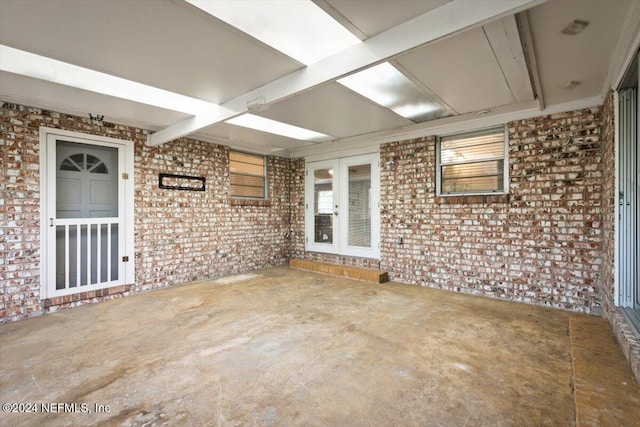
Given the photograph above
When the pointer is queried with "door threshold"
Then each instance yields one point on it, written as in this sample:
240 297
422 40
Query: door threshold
633 319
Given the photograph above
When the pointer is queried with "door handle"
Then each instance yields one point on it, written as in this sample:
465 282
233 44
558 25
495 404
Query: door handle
335 213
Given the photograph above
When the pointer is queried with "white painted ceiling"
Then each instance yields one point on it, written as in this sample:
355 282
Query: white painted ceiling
172 45
582 58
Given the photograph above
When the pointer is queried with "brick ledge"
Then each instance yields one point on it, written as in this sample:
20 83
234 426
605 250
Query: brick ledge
80 296
470 200
626 338
250 202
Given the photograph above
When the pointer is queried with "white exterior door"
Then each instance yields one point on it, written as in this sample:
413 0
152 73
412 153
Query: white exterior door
88 213
342 206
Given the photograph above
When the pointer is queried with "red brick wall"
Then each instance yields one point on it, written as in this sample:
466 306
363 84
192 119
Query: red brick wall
296 243
183 236
19 215
541 244
180 236
609 201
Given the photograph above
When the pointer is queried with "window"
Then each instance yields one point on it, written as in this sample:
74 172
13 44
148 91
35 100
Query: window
82 161
325 202
248 175
472 163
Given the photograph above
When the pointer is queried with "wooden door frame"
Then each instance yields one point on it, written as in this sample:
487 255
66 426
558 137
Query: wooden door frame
126 186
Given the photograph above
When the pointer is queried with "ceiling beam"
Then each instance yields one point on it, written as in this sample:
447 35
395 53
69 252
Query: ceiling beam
524 31
449 19
504 38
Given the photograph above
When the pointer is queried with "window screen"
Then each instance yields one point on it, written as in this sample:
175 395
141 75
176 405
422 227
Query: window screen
248 175
472 163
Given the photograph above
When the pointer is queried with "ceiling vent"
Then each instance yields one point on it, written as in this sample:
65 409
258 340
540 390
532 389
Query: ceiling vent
571 84
575 27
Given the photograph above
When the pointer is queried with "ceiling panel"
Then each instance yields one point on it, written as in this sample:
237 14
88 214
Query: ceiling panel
462 70
380 15
584 57
65 99
167 44
172 45
232 135
334 110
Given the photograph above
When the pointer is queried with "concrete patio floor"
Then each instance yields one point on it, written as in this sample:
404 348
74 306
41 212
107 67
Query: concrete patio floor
287 347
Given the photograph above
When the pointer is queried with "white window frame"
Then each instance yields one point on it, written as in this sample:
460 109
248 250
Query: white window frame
265 172
505 171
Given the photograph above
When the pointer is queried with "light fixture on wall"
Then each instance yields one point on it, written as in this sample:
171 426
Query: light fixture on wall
96 117
390 164
257 105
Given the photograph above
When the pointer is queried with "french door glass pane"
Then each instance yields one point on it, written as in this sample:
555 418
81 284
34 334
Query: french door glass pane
323 195
360 205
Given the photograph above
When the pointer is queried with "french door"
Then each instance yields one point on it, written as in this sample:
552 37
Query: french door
342 206
87 213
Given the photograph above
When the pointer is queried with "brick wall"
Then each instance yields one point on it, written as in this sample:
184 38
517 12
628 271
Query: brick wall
20 214
541 244
609 201
549 242
296 245
183 236
180 236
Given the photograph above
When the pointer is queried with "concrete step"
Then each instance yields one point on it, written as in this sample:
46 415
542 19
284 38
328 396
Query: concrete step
605 391
357 273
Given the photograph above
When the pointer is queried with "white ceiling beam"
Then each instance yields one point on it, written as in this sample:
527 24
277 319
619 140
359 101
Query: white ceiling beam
444 21
40 67
504 38
524 30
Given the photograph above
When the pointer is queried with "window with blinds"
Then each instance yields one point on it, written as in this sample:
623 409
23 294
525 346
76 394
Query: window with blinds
248 175
472 163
